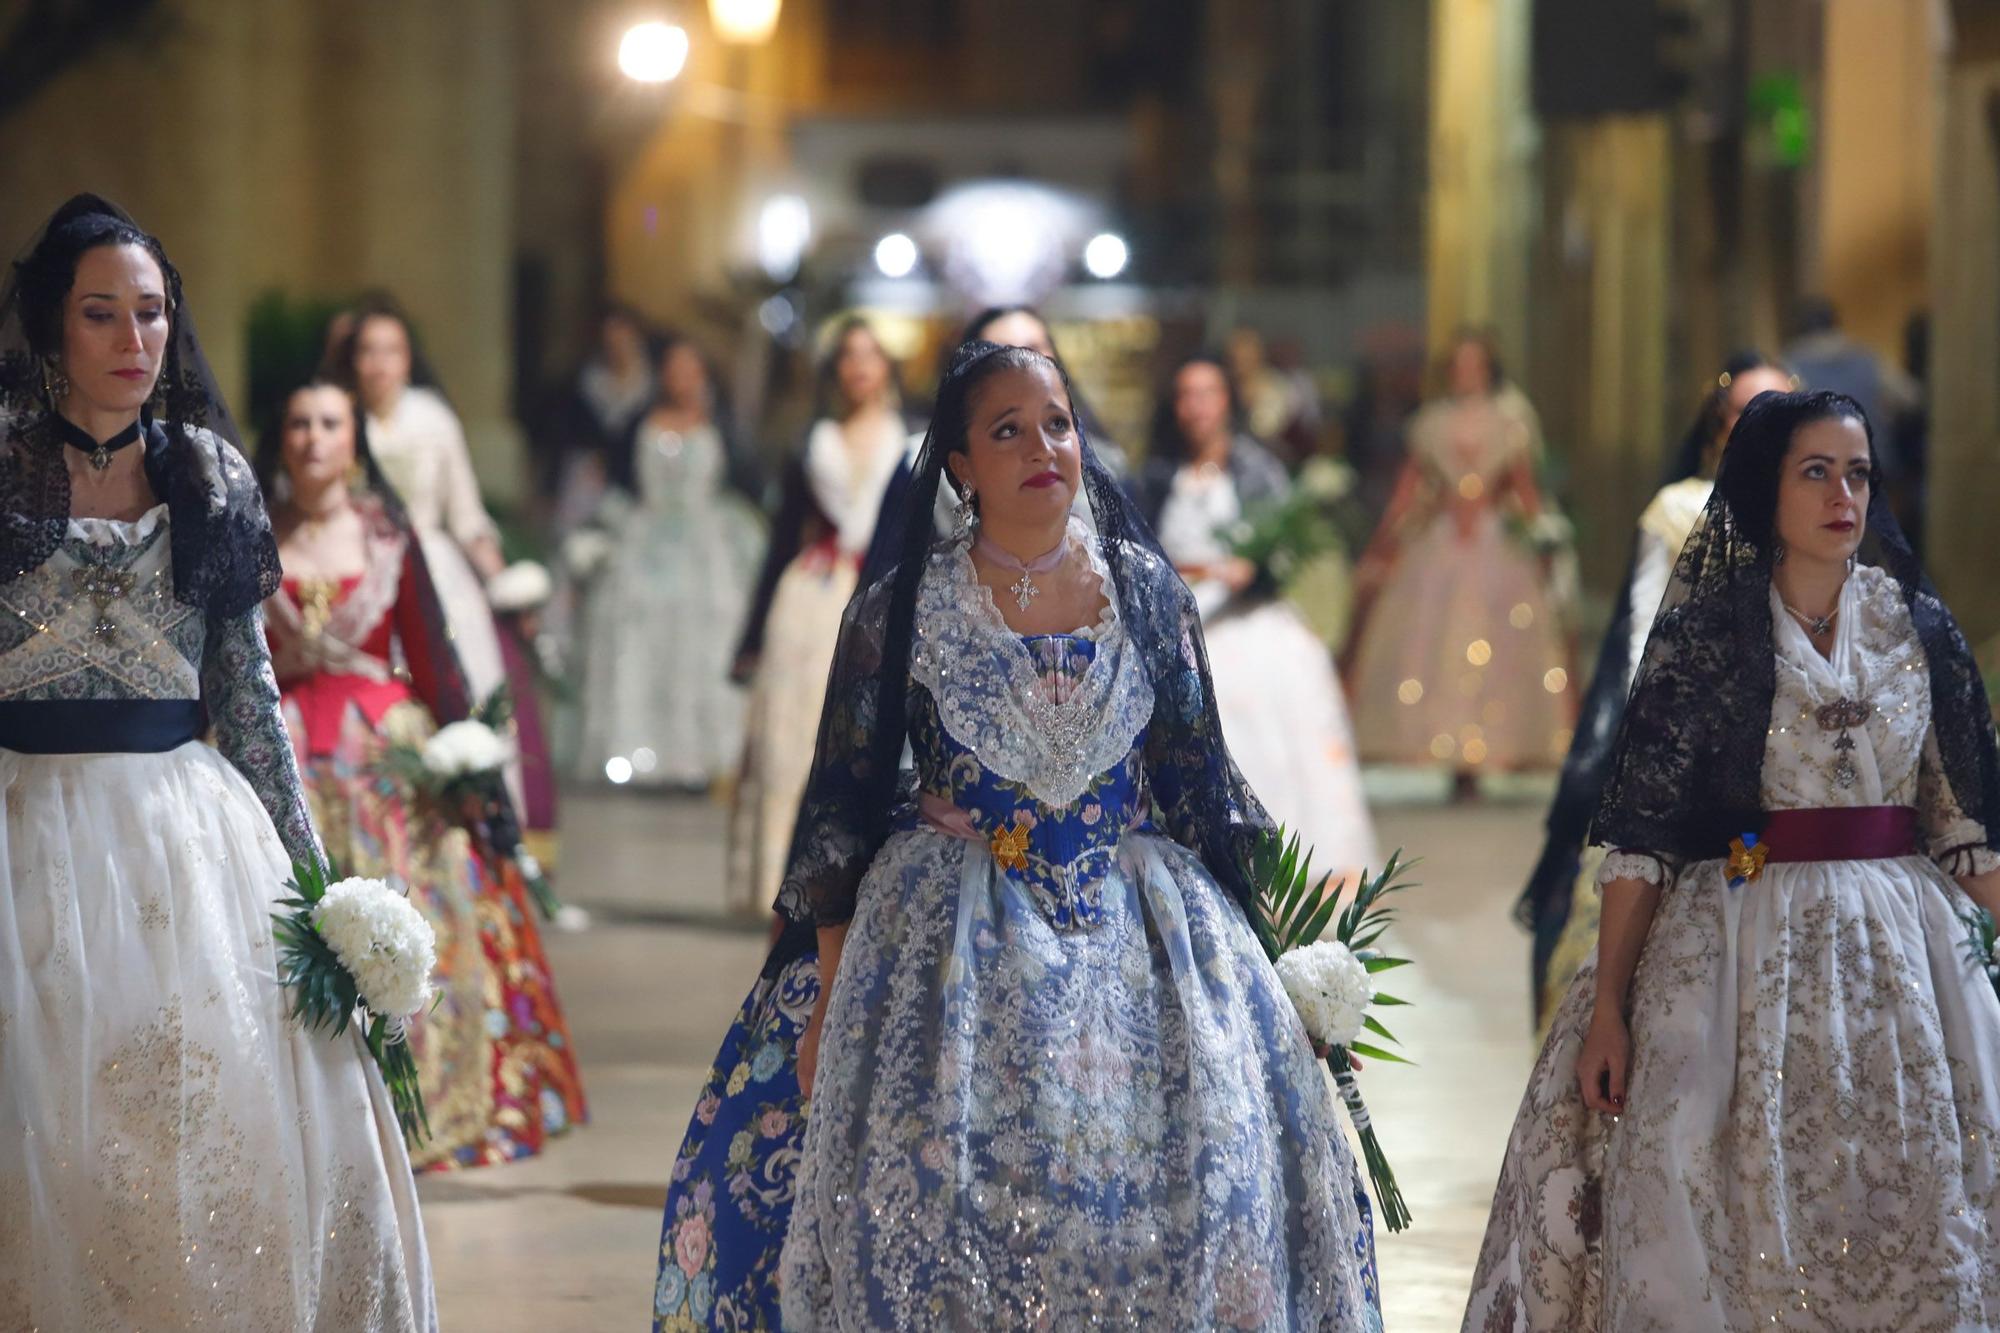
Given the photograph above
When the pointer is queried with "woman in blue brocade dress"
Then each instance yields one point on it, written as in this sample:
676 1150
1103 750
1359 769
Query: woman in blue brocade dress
1060 1083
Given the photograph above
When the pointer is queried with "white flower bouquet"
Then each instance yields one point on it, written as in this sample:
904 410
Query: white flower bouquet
1330 980
585 552
465 749
459 771
524 585
358 945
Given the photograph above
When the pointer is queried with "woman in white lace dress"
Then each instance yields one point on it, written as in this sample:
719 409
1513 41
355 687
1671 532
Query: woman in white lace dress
832 495
658 707
1054 1081
1773 1101
175 1151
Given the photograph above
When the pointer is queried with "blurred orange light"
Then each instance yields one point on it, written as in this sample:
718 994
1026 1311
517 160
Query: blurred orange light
744 21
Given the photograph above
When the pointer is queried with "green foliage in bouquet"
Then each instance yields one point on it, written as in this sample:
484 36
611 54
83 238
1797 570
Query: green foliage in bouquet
325 997
1981 935
1282 537
1297 910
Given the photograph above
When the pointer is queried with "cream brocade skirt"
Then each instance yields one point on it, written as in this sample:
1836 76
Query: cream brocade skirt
1810 1141
175 1152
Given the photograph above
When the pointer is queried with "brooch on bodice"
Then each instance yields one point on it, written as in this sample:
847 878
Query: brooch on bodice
1747 855
1010 848
103 585
1843 715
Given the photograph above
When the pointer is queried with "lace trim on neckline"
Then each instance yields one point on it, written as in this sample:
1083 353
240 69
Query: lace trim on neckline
988 686
118 531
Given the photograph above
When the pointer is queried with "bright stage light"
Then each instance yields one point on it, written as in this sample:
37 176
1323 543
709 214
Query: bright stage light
896 255
653 52
1106 255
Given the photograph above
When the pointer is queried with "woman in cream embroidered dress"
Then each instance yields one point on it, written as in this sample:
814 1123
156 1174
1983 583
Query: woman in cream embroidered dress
1054 1082
832 495
1459 656
1772 1101
175 1151
358 642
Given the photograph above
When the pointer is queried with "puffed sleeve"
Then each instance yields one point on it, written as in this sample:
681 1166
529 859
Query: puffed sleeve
465 515
1955 840
240 692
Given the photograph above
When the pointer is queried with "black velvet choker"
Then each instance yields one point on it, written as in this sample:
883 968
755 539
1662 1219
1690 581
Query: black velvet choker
99 451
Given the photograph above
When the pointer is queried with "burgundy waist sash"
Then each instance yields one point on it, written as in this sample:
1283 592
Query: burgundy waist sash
1840 833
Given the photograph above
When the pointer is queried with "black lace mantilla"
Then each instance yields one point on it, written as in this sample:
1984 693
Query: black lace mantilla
225 557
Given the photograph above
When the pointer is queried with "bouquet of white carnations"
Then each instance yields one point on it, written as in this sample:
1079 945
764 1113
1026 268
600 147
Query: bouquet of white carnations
523 586
1330 980
459 770
358 944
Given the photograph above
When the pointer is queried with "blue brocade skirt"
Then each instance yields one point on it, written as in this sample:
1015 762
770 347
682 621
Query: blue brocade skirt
1019 1127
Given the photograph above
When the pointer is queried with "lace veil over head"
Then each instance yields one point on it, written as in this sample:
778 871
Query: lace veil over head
1687 773
855 789
225 561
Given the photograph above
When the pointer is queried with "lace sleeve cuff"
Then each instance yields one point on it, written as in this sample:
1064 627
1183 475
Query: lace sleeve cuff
1644 866
1967 859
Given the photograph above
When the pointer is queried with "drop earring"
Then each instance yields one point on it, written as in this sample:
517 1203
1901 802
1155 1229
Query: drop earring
1780 558
55 384
964 519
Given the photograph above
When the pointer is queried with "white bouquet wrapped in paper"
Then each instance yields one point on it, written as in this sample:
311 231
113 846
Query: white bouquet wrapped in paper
1329 986
522 586
465 749
383 942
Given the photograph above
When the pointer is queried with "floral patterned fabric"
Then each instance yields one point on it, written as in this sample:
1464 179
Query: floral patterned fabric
731 1196
494 1059
1030 1120
1813 1097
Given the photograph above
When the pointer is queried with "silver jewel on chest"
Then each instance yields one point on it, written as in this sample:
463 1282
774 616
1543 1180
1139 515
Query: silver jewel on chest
1842 715
1024 591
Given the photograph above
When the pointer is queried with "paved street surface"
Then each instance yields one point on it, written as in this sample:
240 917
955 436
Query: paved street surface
568 1241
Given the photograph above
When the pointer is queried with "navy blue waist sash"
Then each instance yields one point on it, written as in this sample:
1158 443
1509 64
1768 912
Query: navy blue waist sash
98 726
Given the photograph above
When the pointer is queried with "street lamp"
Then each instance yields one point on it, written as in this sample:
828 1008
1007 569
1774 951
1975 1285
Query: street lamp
653 52
744 22
896 255
1106 255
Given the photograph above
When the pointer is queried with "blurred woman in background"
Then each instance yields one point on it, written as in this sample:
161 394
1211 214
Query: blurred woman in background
832 497
658 708
365 664
1275 686
420 446
1460 657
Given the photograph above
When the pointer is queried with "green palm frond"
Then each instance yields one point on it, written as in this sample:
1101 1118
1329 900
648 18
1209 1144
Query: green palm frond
1295 910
